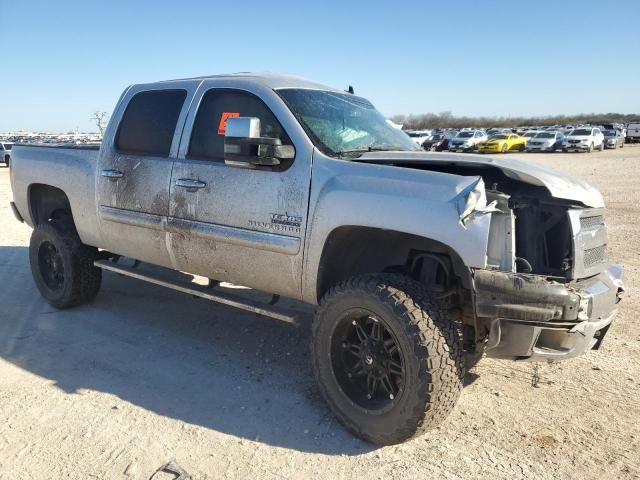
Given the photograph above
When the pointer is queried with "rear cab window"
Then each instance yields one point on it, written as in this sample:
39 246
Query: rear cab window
149 122
216 107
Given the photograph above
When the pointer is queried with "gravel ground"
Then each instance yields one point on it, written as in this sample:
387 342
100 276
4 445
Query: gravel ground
143 376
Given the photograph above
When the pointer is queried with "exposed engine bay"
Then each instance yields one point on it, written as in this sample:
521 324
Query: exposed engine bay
531 231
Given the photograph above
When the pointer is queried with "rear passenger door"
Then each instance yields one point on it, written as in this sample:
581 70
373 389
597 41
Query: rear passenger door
242 225
134 171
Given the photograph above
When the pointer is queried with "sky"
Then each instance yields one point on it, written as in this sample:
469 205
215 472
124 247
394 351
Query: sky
61 61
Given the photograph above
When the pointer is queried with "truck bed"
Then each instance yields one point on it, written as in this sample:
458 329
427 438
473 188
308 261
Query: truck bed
71 168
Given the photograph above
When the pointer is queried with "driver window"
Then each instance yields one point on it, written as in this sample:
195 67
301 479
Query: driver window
217 105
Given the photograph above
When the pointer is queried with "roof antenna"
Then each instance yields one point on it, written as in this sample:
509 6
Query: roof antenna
350 90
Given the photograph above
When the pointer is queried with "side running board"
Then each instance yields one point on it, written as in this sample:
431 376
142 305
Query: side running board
198 291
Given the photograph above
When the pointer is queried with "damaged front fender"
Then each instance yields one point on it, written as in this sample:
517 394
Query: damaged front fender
472 202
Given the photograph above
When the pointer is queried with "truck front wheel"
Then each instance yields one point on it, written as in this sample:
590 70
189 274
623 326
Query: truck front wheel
388 358
62 266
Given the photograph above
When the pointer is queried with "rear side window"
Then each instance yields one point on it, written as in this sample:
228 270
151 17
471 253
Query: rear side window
218 105
149 122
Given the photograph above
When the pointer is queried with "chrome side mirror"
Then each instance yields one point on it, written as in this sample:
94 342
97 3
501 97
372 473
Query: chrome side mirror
245 147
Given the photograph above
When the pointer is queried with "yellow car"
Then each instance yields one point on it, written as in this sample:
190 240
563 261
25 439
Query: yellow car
503 142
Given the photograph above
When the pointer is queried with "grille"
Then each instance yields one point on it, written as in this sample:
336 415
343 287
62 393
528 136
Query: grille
590 222
592 256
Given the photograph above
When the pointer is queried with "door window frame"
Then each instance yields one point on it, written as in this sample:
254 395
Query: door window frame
175 128
268 95
110 134
186 140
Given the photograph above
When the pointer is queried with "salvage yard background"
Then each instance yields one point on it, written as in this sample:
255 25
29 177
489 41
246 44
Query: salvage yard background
144 375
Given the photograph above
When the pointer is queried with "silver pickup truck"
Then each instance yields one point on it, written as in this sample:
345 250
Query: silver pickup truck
420 262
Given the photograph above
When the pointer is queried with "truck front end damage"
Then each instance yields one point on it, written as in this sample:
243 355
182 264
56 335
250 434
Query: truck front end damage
532 317
548 291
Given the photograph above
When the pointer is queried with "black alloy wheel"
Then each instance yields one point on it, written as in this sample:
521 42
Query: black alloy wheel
367 361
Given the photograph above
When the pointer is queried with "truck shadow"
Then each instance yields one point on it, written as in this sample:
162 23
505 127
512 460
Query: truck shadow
191 360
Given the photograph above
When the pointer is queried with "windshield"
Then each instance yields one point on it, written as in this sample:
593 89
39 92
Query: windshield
437 137
530 134
545 135
581 131
498 137
8 145
341 124
609 133
465 135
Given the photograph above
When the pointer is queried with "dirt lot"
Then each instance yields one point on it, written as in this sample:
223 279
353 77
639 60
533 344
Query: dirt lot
144 375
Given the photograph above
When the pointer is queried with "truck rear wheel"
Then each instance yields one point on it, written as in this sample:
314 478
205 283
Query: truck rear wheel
62 266
388 359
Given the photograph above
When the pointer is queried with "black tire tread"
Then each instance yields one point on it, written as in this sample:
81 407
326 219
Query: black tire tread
437 344
85 278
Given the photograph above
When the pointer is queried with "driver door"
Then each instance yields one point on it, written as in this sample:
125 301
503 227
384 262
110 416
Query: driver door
228 223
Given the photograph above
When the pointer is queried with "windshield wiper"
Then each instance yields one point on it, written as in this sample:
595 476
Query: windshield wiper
376 148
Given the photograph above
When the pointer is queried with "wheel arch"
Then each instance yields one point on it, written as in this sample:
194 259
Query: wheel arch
46 202
355 250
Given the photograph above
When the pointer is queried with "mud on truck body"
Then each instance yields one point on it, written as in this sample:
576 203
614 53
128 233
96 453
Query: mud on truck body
419 262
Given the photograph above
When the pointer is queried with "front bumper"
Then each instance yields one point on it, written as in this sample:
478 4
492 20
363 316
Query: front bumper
540 148
462 148
532 318
576 146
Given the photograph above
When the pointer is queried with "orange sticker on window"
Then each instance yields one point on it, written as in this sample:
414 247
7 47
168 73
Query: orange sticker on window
222 126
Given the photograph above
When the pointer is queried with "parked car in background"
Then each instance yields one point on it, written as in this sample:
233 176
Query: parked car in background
467 140
502 143
545 142
613 139
496 131
438 142
584 139
633 133
529 134
5 152
419 136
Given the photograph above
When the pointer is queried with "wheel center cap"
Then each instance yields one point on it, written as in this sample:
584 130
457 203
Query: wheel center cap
368 359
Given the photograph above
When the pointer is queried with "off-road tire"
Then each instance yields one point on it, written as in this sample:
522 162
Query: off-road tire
428 334
81 279
601 147
591 147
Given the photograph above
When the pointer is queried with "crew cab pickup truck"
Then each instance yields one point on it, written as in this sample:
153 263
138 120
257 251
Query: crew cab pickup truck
419 262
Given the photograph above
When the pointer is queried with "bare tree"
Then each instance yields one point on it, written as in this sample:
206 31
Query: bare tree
100 119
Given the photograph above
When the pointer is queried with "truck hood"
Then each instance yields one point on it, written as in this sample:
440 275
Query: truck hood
559 185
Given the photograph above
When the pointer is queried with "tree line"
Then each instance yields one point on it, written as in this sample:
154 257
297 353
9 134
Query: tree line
447 120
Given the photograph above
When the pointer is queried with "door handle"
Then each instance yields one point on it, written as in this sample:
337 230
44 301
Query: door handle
112 174
190 183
